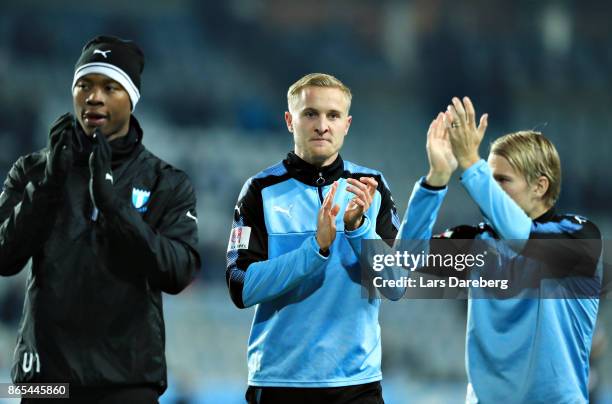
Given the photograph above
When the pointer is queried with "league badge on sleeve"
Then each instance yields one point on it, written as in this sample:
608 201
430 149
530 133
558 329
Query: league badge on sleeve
239 239
140 198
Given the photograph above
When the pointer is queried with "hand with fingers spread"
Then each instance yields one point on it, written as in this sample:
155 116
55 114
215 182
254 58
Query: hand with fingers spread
465 137
326 221
442 161
59 153
364 190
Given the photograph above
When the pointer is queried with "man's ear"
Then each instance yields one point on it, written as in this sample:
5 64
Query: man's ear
541 186
289 121
348 125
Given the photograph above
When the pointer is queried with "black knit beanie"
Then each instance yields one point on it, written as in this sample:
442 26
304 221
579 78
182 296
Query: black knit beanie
121 60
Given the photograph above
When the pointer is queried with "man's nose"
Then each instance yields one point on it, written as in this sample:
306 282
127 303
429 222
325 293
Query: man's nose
322 125
95 97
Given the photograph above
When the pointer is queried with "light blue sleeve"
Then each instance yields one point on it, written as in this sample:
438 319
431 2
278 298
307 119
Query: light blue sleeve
418 221
364 232
505 216
418 224
266 280
421 214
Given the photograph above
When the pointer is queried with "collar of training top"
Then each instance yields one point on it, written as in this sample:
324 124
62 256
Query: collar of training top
312 175
546 216
122 148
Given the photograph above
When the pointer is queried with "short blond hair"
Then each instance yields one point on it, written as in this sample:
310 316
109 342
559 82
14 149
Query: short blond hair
316 80
533 155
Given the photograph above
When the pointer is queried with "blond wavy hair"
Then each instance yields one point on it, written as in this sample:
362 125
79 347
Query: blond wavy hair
531 154
316 80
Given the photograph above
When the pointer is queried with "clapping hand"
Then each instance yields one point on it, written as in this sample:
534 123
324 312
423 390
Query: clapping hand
59 151
442 161
101 176
326 221
465 137
363 191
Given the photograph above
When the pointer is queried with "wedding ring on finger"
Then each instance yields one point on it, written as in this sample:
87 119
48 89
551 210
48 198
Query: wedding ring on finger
455 125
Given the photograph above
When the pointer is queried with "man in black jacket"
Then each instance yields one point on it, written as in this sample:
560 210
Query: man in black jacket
108 227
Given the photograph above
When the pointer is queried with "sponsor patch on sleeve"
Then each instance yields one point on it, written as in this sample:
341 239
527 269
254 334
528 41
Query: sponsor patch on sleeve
239 238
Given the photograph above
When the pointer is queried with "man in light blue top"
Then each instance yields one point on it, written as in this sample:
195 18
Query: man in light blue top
519 350
291 254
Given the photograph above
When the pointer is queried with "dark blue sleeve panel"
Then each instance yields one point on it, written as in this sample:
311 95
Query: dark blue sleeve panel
248 241
387 221
570 243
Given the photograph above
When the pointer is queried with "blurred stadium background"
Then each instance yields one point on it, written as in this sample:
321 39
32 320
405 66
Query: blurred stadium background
213 97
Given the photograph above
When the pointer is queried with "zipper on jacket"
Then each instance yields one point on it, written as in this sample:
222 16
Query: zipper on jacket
94 214
320 181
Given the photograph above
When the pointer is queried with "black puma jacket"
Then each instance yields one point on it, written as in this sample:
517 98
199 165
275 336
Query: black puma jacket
93 309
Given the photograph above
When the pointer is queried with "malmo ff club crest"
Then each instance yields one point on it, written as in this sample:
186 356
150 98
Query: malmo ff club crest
140 198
